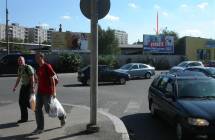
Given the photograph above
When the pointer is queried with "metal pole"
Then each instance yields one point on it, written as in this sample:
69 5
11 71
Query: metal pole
94 68
6 30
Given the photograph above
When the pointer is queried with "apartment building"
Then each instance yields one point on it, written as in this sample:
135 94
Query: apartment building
122 36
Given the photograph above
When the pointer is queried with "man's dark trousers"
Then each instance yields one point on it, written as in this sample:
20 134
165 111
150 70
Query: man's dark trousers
24 97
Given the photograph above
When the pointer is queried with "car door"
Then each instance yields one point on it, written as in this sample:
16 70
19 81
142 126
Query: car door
143 70
134 70
168 101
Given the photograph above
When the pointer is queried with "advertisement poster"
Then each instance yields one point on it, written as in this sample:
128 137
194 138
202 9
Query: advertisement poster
70 40
158 44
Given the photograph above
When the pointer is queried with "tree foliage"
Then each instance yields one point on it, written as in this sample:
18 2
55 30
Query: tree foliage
171 33
107 42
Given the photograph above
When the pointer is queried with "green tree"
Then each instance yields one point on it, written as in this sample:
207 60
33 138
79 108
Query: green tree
171 33
107 42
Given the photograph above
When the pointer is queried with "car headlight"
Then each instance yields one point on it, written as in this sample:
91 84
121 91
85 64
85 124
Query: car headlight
198 122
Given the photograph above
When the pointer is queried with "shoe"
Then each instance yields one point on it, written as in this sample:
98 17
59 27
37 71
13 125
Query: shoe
22 121
37 131
63 122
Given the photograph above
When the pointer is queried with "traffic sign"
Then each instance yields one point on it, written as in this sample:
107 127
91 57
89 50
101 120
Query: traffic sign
102 10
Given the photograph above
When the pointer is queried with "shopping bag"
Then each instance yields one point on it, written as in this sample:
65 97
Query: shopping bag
56 109
32 102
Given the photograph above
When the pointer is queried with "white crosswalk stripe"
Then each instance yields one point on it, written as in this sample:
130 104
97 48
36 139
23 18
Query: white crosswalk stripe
108 106
133 107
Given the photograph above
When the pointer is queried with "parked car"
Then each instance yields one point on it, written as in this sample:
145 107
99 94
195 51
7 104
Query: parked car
210 63
9 65
186 64
186 100
138 70
105 74
208 71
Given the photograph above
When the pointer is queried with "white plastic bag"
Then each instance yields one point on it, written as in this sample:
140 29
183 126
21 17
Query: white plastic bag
56 109
32 102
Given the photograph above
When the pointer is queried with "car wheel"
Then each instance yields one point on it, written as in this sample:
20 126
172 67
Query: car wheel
180 133
148 75
122 81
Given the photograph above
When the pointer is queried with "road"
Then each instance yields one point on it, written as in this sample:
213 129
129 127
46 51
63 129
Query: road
128 102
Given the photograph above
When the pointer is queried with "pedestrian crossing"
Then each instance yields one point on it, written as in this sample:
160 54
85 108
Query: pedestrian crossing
124 108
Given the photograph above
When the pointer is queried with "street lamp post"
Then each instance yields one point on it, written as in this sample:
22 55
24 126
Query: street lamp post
6 30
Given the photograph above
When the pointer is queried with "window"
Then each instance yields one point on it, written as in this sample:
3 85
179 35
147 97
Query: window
156 81
142 66
162 84
134 67
194 64
169 88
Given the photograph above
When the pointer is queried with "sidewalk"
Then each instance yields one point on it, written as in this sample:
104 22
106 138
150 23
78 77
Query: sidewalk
75 128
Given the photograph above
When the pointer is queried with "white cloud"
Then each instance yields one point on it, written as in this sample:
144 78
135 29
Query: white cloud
66 17
202 5
111 18
157 6
44 25
165 14
133 5
184 6
193 32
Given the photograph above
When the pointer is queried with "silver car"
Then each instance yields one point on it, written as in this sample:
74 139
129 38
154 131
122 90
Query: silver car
138 70
186 64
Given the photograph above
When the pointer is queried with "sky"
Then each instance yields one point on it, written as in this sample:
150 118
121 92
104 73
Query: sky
136 17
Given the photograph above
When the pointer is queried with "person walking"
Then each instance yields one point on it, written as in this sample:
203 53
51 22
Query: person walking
26 76
46 91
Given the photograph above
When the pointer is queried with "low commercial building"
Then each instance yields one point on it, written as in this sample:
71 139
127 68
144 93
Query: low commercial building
196 48
127 49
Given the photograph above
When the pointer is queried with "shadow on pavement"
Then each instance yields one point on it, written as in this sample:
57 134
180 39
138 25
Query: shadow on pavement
100 84
145 127
74 85
19 137
8 125
52 129
81 133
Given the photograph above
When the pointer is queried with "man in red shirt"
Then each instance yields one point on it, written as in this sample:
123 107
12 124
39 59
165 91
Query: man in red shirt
46 91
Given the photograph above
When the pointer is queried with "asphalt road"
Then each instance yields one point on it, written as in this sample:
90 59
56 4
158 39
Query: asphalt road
128 102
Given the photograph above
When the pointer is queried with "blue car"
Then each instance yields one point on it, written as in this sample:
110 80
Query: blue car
105 74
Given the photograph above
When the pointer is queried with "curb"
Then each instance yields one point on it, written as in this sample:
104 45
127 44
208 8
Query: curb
118 124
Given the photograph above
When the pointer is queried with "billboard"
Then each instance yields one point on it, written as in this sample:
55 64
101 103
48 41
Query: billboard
70 40
158 44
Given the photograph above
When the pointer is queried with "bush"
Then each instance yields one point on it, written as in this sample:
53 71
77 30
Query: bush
108 60
162 64
69 62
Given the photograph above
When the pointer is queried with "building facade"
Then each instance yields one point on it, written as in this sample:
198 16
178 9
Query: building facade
122 36
50 31
37 35
2 31
196 48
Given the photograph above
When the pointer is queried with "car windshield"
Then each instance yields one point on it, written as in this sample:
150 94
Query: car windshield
196 88
126 67
183 64
212 71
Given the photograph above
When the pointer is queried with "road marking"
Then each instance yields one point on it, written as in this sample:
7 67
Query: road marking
6 102
118 124
108 106
132 107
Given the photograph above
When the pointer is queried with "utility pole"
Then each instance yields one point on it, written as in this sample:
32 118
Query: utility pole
6 30
94 67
